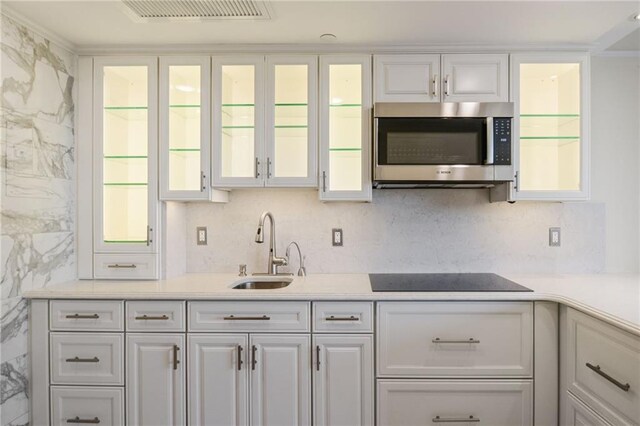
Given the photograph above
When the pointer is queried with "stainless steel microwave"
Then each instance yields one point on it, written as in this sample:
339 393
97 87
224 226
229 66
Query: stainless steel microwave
465 144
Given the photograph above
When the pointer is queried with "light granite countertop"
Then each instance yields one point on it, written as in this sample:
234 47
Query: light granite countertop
612 298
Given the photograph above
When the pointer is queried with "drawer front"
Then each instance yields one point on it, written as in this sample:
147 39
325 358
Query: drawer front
85 406
82 315
603 368
460 402
129 266
455 339
249 316
578 414
156 316
343 317
87 359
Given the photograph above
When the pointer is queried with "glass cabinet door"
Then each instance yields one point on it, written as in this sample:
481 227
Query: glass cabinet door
125 154
551 126
237 115
184 128
345 134
291 123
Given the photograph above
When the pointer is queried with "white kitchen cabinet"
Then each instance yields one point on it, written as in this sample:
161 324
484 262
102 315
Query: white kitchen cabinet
185 129
576 413
550 92
155 383
291 121
475 78
345 128
125 187
343 380
218 380
490 402
407 78
280 379
86 405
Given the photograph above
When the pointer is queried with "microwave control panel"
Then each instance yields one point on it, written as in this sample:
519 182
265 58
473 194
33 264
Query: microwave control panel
502 141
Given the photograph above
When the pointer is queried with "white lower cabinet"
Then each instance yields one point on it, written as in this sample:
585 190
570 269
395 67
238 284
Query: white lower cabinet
155 383
86 405
487 402
343 380
280 380
577 413
218 380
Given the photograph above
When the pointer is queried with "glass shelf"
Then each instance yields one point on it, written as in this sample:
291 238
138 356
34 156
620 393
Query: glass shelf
184 149
184 106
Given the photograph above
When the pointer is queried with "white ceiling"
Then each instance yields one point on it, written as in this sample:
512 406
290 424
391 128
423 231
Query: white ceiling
507 23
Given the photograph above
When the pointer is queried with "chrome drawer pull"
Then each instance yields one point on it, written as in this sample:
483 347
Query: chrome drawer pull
76 359
147 317
470 340
78 316
235 318
625 387
122 266
470 419
350 318
77 419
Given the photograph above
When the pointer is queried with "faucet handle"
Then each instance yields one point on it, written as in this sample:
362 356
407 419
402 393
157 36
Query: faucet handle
242 270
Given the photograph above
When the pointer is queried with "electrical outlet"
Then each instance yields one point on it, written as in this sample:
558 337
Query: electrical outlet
201 232
554 237
336 237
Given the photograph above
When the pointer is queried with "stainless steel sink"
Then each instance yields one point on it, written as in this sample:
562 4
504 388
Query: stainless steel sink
262 284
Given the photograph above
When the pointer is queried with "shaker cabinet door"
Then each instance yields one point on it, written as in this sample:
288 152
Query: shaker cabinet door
475 78
406 78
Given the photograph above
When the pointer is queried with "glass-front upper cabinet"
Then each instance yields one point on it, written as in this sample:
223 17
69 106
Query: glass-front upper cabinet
291 121
238 121
345 128
125 155
185 126
551 126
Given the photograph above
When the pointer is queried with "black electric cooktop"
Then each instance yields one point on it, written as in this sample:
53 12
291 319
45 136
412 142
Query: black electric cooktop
443 282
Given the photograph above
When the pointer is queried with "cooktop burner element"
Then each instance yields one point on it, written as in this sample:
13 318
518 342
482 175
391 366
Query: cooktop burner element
443 282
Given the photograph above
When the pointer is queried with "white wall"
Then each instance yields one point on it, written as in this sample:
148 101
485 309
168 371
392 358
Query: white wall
615 129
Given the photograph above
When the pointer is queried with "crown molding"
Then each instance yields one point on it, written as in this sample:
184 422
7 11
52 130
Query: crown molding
618 54
10 13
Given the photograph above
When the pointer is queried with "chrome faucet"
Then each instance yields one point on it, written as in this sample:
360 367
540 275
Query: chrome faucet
274 261
302 271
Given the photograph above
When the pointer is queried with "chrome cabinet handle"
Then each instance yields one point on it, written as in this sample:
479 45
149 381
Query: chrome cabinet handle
350 318
76 359
254 349
446 85
324 181
147 317
176 361
239 357
489 157
78 316
435 86
257 166
125 265
78 420
470 419
516 185
149 231
203 181
596 368
317 357
268 168
470 340
235 318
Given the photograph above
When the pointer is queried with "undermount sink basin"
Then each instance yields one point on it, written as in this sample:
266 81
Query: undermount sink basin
260 284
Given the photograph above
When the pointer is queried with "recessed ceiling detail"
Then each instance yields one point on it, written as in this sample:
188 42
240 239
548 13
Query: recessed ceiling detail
163 10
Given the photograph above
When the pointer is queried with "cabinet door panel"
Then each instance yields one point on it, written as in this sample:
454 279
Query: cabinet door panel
475 78
155 383
343 380
280 380
406 78
218 380
238 121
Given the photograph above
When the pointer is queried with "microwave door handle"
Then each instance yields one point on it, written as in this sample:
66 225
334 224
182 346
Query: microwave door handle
489 158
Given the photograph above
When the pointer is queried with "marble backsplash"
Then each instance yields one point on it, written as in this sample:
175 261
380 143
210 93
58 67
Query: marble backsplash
37 184
401 231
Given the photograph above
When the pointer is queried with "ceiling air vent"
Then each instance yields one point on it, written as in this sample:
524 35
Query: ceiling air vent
172 10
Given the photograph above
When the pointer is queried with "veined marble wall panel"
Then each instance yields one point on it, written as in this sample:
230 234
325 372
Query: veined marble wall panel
37 186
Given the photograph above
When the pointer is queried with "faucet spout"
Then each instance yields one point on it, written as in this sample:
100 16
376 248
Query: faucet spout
274 261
